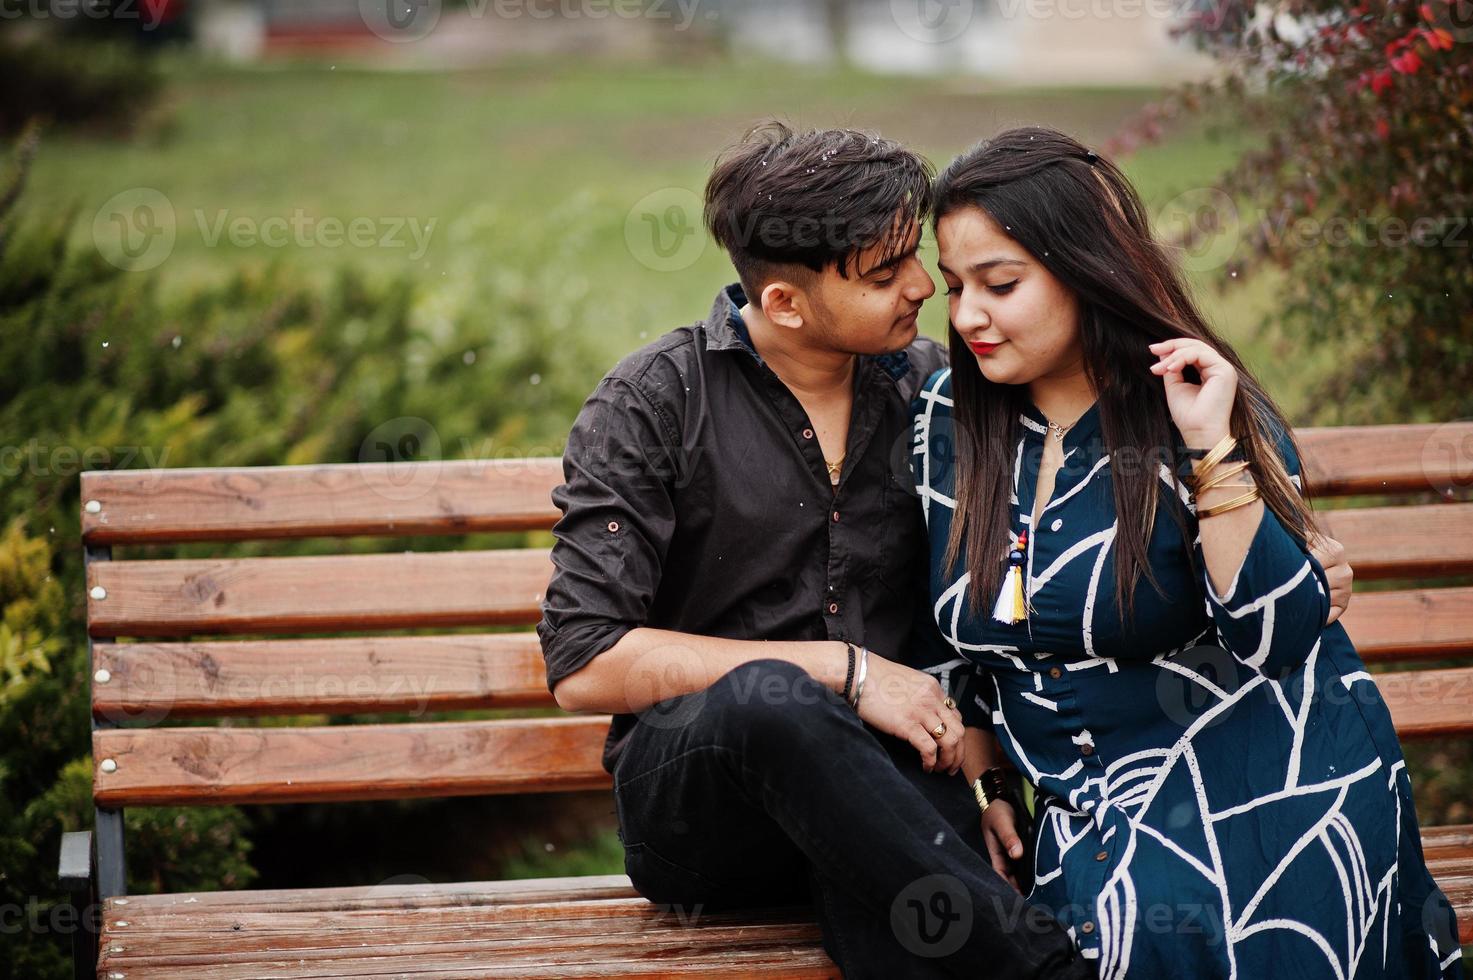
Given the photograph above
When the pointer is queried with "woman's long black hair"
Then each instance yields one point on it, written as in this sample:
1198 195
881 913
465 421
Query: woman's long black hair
1078 216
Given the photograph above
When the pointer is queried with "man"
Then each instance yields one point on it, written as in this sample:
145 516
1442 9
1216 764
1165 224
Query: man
737 576
709 571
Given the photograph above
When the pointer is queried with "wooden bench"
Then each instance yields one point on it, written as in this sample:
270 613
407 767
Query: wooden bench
568 927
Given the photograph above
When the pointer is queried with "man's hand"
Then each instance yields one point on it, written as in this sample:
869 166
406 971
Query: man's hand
1331 554
909 704
1000 830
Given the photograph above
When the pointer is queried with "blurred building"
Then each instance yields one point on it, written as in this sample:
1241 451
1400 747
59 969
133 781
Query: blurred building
1025 42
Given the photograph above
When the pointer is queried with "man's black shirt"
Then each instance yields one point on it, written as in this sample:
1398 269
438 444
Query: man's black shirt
696 499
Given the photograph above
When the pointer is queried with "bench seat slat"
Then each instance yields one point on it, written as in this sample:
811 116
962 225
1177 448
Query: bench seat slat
347 762
736 959
260 502
325 935
325 593
617 937
399 895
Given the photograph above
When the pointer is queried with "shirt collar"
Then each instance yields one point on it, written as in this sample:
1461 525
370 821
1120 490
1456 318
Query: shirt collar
1035 425
726 330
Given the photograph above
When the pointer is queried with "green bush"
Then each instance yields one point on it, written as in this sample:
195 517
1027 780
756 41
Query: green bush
264 369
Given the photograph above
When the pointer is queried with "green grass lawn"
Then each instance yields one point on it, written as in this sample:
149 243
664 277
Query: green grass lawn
541 171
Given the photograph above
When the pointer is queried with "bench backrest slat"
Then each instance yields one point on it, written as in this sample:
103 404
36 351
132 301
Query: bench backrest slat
460 496
328 675
338 675
327 500
317 593
177 766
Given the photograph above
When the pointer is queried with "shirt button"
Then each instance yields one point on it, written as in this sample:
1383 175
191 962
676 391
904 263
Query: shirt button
1056 525
1087 928
836 517
833 607
807 433
1102 856
613 527
1055 673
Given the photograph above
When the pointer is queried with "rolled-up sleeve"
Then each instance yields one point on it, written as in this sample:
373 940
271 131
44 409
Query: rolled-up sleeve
617 521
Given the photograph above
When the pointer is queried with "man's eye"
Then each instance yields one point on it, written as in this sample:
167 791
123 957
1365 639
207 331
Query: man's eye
953 290
1004 288
882 283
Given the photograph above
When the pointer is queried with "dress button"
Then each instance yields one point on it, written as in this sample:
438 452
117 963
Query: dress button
1055 673
1086 749
807 433
1102 856
1056 524
1087 928
833 607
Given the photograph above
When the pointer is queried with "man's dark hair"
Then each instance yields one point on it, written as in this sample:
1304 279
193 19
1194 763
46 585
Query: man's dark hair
780 201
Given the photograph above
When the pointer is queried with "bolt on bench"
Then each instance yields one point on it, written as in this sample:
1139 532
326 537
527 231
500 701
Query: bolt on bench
562 927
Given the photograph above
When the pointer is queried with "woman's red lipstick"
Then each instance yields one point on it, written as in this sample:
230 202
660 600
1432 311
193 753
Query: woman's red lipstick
980 348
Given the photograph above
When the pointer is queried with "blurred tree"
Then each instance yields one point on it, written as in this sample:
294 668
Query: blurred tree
1360 191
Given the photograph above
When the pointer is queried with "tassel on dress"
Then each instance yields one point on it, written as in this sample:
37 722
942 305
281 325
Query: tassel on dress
1012 604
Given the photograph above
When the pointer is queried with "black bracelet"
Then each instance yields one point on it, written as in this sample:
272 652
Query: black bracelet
849 677
1236 456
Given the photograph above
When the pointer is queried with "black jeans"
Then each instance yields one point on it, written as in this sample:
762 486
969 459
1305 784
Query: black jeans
766 789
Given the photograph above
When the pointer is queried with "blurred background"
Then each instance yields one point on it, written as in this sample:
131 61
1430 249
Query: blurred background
250 232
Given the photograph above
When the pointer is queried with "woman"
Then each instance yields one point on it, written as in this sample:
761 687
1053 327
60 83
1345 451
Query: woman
1118 546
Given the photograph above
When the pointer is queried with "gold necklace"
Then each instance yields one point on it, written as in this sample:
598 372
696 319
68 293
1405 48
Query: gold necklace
834 469
1059 430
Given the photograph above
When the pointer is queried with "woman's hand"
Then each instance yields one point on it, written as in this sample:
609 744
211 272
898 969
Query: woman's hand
1000 830
1331 556
1202 412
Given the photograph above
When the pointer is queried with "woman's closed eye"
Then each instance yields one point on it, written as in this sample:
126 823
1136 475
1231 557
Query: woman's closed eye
1002 289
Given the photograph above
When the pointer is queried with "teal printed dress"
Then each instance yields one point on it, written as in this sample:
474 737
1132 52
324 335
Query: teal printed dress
1220 791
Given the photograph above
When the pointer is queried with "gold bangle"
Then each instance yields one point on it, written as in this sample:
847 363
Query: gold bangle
1215 455
1218 477
982 801
1233 504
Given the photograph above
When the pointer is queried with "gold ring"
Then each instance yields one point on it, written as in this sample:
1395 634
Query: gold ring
949 703
939 730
